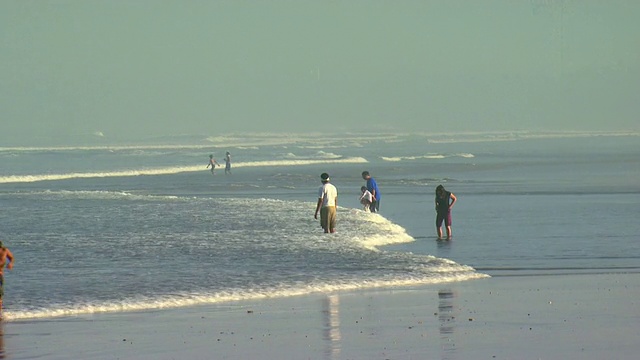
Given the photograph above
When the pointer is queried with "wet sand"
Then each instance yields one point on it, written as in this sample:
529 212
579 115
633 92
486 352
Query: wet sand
513 317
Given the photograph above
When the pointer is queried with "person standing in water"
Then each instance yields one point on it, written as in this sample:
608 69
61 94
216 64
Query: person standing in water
327 204
444 203
212 163
372 186
227 160
6 259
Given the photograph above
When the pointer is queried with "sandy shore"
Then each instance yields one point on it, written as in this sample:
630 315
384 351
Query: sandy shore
529 317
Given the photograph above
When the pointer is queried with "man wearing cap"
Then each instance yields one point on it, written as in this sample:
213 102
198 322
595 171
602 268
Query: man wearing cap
327 203
5 254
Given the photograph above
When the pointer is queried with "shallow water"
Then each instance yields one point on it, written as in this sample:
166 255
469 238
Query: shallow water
140 227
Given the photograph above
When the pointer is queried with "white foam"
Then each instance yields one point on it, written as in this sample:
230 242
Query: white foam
99 194
394 159
428 156
359 233
110 148
191 299
520 135
351 160
317 155
372 231
321 141
245 141
169 170
327 155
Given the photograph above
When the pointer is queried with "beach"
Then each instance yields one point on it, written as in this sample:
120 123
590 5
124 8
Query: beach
506 317
161 163
152 257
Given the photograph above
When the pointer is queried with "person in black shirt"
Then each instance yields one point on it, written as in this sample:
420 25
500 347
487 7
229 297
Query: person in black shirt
444 203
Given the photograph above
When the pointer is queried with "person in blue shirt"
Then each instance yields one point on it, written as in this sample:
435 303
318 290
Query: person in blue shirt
372 186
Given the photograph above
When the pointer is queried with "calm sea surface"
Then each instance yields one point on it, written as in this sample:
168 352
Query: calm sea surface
145 226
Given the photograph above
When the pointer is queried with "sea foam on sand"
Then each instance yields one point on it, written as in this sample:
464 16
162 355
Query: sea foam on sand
528 317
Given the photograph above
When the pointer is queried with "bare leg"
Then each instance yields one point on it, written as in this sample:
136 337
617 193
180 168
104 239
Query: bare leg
448 232
439 232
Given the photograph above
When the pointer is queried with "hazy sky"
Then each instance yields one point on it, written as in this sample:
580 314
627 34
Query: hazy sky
136 69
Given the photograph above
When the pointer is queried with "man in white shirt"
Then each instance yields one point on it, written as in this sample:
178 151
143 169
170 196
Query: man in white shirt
327 203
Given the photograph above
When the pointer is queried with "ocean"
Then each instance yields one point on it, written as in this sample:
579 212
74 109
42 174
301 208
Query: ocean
125 227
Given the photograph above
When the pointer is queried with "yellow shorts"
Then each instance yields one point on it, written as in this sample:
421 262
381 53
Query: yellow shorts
328 218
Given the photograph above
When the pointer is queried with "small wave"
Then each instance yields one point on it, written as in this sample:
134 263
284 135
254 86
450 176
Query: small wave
351 160
317 155
123 173
428 156
104 148
191 299
168 170
96 194
524 135
327 155
328 146
422 181
387 232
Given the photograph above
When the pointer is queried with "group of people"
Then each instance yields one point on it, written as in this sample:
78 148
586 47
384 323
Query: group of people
213 163
370 200
370 197
328 200
326 207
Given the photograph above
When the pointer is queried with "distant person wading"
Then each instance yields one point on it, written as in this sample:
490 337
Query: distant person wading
227 160
212 163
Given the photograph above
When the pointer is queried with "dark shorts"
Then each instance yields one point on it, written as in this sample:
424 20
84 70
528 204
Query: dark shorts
443 217
375 206
1 286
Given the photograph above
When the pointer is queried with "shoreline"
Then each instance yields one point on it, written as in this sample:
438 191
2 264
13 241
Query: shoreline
504 317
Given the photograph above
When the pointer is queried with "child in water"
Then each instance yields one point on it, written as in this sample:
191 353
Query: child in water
365 199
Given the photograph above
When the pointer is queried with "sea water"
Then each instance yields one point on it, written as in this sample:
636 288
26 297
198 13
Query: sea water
121 227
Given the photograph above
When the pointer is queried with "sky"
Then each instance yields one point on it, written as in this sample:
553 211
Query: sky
125 70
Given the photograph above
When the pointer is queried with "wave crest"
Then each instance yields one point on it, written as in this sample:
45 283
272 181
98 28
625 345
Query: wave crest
428 156
170 170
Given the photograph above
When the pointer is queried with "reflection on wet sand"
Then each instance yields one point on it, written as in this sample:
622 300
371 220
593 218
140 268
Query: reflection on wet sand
331 332
447 319
444 248
2 353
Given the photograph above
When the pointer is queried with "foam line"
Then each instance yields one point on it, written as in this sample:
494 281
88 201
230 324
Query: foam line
185 300
169 170
429 156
